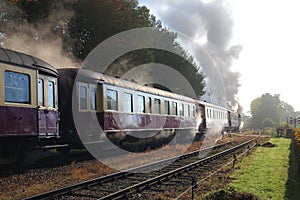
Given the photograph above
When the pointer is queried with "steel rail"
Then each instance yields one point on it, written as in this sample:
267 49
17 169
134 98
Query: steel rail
104 179
122 193
215 172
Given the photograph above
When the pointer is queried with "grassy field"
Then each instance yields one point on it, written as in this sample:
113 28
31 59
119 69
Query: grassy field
269 173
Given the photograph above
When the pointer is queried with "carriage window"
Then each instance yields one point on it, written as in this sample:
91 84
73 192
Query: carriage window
188 110
41 92
148 104
181 109
167 107
16 87
51 92
93 98
174 108
127 102
112 102
156 106
83 97
141 104
194 111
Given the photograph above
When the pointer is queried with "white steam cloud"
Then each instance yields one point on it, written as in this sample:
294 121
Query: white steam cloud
211 25
42 39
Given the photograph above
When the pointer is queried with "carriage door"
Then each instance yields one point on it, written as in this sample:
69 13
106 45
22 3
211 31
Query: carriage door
47 99
200 117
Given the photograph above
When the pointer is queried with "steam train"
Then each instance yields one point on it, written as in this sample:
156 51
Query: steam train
39 108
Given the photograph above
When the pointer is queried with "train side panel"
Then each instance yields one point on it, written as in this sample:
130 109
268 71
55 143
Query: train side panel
18 103
21 125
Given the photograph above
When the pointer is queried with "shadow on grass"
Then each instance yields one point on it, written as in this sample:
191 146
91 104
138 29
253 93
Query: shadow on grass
293 183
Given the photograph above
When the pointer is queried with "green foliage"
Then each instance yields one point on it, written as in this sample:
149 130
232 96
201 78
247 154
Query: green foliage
283 124
36 10
96 20
269 111
267 171
82 25
268 122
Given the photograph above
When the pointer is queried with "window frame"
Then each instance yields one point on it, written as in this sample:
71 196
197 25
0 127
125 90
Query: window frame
127 106
28 89
42 92
52 103
167 109
174 108
141 103
116 100
93 101
157 105
181 109
83 85
148 102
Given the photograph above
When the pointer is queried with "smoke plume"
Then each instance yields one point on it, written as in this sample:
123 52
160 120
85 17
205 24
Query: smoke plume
42 39
210 24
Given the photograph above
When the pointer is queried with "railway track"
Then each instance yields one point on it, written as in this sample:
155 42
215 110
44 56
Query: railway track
180 172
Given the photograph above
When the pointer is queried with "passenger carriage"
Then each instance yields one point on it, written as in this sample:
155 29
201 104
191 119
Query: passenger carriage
41 107
218 119
119 107
28 103
93 104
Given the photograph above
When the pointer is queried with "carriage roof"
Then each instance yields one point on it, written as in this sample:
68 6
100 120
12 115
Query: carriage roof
27 61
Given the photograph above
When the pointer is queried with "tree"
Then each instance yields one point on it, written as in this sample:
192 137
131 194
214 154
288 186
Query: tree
96 20
81 25
269 111
268 122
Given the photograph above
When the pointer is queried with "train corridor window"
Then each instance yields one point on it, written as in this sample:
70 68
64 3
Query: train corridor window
148 104
51 94
112 101
166 107
174 108
83 97
187 111
181 109
157 106
141 104
127 103
93 98
194 111
16 87
41 92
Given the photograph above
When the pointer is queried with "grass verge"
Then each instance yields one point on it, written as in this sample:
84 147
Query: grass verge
269 173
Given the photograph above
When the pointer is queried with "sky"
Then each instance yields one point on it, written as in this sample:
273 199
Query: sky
267 30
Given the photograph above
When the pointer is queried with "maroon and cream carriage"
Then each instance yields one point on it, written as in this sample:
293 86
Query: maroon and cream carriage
28 104
116 107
